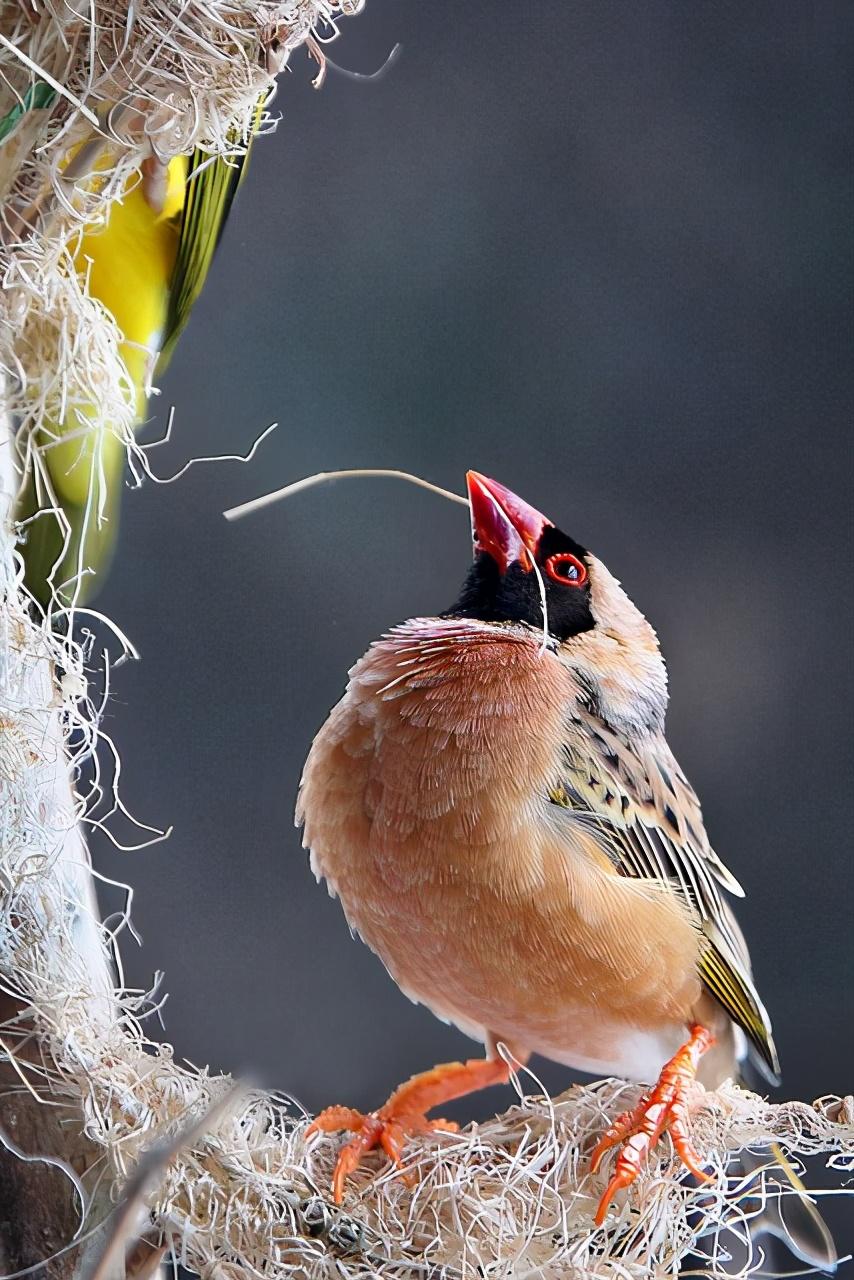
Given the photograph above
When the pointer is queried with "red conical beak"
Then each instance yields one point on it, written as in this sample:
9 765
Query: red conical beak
502 524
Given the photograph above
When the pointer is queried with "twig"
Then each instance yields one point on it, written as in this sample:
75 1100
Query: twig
321 477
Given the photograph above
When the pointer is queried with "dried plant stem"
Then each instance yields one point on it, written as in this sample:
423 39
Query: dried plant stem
323 477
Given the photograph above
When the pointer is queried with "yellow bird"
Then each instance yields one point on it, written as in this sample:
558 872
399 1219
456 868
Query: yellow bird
147 265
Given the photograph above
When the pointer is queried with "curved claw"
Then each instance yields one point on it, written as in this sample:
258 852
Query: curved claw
392 1138
404 1114
349 1159
621 1178
663 1108
369 1131
686 1150
614 1134
632 1154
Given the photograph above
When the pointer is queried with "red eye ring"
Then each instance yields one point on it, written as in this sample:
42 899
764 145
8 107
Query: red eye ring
560 569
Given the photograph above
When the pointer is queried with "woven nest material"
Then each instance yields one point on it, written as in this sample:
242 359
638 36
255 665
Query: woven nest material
87 94
238 1192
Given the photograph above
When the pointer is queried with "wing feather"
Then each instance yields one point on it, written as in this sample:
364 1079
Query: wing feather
211 188
647 820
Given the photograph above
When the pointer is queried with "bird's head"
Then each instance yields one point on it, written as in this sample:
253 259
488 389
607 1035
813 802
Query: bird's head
510 537
590 619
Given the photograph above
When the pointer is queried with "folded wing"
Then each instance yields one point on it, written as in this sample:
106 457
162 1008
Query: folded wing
648 822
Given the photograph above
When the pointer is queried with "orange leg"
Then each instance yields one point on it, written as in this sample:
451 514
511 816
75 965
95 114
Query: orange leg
663 1107
404 1114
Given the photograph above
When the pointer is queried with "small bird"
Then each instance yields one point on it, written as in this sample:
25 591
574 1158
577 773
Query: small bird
147 266
495 804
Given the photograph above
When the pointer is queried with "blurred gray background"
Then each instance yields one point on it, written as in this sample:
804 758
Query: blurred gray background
602 252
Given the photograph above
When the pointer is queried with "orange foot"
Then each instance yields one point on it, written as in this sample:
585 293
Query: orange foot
404 1114
664 1107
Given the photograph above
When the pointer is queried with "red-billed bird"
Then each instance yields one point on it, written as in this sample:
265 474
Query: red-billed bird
495 804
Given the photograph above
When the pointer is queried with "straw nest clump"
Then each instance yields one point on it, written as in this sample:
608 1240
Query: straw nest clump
88 94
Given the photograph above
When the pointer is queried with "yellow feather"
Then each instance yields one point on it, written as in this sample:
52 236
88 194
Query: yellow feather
129 262
146 265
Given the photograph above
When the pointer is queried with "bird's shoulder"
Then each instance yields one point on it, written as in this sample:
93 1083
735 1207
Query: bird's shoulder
648 813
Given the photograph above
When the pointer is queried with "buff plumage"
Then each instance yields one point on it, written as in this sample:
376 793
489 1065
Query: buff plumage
496 806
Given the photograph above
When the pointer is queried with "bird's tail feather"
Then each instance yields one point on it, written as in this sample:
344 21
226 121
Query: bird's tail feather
57 553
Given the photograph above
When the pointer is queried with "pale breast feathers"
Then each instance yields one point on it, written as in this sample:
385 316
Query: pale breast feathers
445 750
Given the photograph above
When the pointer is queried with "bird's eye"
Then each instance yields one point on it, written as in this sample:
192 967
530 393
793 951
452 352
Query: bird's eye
566 569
